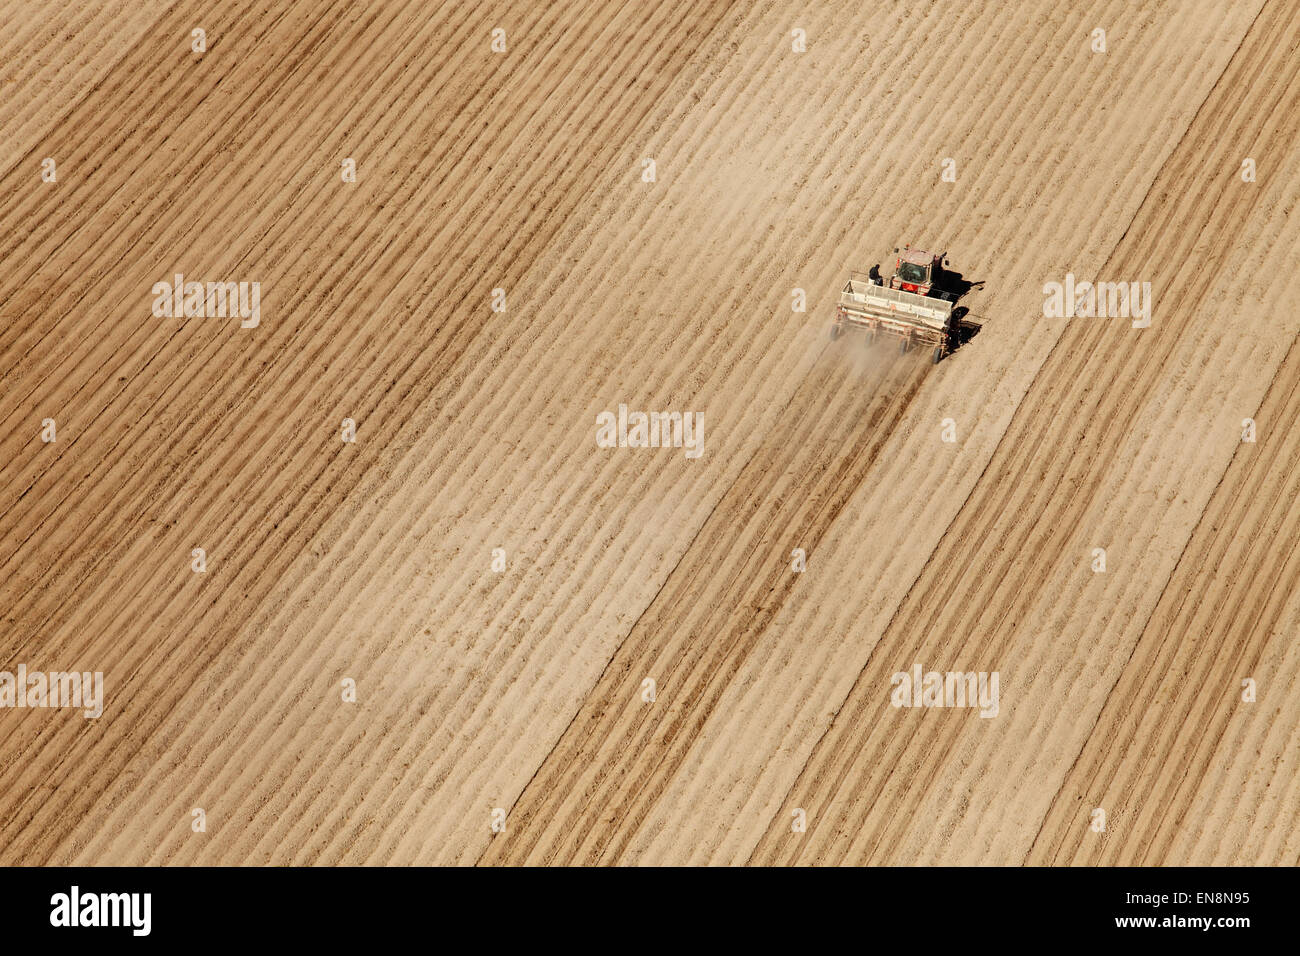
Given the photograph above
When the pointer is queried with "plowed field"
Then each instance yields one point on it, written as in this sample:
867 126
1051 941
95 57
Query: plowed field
475 635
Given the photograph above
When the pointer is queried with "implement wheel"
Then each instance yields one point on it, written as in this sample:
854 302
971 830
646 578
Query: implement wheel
938 354
836 329
903 345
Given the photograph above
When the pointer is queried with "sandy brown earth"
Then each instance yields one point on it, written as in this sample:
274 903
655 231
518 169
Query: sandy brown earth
517 695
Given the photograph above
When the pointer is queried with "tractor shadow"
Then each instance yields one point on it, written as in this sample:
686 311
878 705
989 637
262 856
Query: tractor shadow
954 286
963 330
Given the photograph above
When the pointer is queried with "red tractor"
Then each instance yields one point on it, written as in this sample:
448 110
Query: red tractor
915 271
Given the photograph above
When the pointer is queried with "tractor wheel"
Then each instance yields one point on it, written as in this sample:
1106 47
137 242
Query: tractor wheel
938 354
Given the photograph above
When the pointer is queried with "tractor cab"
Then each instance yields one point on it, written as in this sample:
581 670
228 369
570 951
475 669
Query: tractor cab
914 271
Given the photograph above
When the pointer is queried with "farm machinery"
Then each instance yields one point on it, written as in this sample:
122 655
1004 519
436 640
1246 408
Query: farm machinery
908 306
